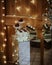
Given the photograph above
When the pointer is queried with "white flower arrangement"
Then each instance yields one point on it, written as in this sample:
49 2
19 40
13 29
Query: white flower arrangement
22 36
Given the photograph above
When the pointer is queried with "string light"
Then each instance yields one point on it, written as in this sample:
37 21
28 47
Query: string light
5 62
3 14
4 57
46 13
13 44
13 55
2 1
47 0
15 50
45 19
46 8
27 9
32 1
5 39
4 45
33 28
3 7
14 15
4 28
2 21
2 33
16 21
16 63
18 8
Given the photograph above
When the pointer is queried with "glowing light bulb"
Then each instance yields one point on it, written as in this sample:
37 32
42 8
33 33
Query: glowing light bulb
3 7
4 45
14 15
2 21
2 33
46 19
32 1
13 55
5 39
4 28
5 61
15 51
4 57
3 14
47 0
2 1
46 8
13 44
27 9
18 8
33 28
16 21
16 63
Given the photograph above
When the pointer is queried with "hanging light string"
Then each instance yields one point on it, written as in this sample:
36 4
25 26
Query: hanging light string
3 29
14 42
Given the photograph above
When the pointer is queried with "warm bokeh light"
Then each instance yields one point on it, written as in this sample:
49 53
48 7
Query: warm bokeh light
18 8
13 44
33 28
14 15
2 33
4 28
16 63
5 39
47 0
2 21
32 1
46 8
15 50
5 61
3 7
4 45
4 57
13 55
27 9
3 14
16 21
2 1
45 19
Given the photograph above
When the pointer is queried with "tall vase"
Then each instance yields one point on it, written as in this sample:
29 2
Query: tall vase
24 48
